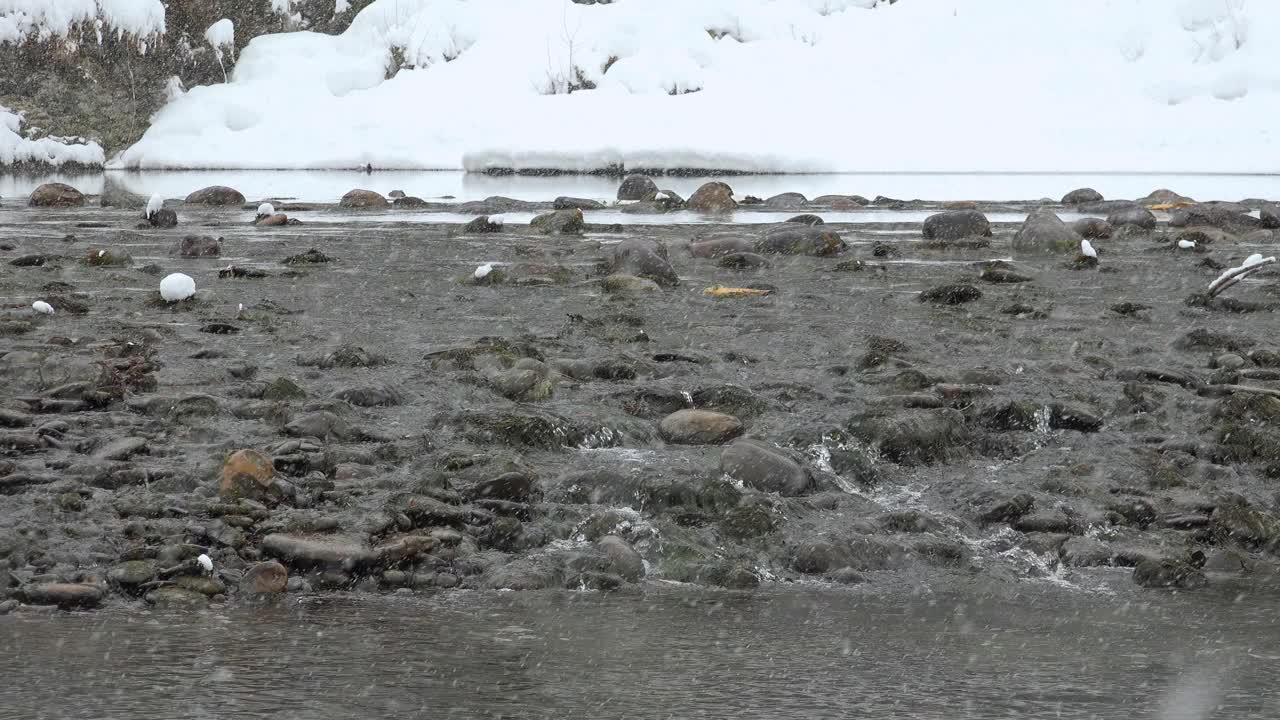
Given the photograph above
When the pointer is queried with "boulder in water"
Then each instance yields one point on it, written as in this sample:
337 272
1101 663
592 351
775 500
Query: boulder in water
956 225
712 197
217 195
56 195
637 187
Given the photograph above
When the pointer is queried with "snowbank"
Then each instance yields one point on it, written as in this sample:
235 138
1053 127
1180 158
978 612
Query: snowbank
16 148
749 85
44 19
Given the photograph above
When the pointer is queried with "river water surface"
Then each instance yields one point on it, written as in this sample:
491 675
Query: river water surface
1033 652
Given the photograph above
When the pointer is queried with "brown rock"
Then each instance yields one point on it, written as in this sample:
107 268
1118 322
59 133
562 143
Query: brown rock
362 199
220 195
273 220
65 595
712 197
197 246
246 474
265 578
699 427
56 195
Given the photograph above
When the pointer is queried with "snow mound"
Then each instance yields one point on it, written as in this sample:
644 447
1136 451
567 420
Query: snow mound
16 148
748 85
221 35
44 19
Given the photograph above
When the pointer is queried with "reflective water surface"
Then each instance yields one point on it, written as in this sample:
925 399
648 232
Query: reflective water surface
1032 653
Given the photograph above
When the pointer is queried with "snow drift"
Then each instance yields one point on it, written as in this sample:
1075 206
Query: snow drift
749 85
18 149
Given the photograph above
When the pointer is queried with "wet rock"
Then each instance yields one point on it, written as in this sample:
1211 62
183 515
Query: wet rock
801 240
956 225
1003 276
786 201
216 195
370 396
1086 552
1134 216
842 202
806 219
1269 216
720 246
914 436
56 195
362 200
176 597
1044 232
629 285
345 356
623 559
699 427
64 595
644 259
133 574
956 294
1169 573
283 389
560 222
1082 195
482 226
424 511
1005 509
573 203
1045 521
1218 217
1072 417
712 197
121 449
763 467
247 474
310 257
1202 339
742 261
1092 228
1235 522
106 257
318 551
197 246
819 557
1010 416
513 486
637 187
273 220
1164 196
265 578
528 380
163 219
520 429
322 425
34 260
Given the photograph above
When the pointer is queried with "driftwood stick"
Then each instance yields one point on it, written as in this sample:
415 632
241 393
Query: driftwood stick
1235 275
1232 389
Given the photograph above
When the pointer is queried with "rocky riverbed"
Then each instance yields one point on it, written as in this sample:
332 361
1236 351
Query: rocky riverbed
404 405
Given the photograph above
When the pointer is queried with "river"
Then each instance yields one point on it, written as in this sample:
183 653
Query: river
1030 652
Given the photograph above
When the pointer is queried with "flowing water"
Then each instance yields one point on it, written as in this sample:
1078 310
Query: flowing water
1030 653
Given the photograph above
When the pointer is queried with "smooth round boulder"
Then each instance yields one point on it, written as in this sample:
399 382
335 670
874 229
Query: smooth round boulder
265 578
197 246
699 427
56 195
362 200
793 239
1134 215
482 226
914 437
1082 195
1044 232
247 474
1222 218
559 222
64 595
806 219
956 225
720 246
712 197
216 195
623 559
273 220
572 203
637 187
763 467
619 284
642 258
785 201
1092 228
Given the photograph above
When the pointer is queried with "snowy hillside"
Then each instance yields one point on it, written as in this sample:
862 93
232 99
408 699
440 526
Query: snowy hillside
16 148
763 85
